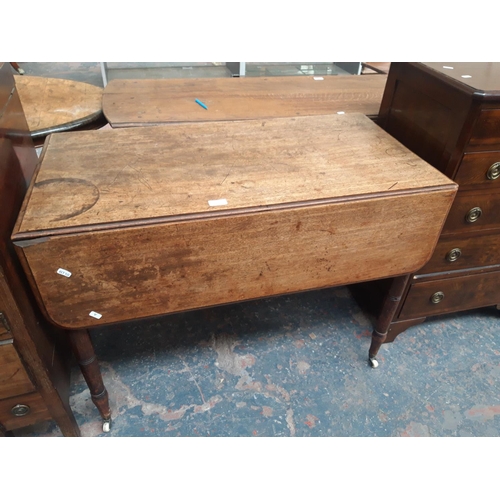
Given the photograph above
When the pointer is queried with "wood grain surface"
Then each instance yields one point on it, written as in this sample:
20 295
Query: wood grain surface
151 102
477 249
460 294
52 104
131 273
13 377
480 76
100 178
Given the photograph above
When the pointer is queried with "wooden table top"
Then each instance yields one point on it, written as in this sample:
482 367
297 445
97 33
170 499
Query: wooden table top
133 176
151 102
55 104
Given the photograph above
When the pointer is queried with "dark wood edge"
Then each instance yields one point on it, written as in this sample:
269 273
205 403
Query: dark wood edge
373 68
457 273
67 127
121 125
452 82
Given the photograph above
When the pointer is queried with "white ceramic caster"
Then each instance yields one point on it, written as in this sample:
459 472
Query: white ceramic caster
373 362
106 426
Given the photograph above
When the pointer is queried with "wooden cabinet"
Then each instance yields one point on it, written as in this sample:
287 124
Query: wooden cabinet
449 114
34 361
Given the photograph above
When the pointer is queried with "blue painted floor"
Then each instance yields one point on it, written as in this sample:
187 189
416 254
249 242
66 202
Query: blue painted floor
290 366
294 366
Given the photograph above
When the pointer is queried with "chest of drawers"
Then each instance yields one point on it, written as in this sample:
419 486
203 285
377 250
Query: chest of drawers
34 368
449 115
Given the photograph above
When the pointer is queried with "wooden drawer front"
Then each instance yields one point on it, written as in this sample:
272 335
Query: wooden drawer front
465 204
461 293
13 377
486 132
37 411
479 169
453 253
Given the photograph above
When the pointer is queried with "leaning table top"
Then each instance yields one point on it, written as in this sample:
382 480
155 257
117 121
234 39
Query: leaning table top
151 102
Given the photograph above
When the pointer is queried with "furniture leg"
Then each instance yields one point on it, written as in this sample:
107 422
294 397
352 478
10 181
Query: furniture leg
17 68
387 313
83 349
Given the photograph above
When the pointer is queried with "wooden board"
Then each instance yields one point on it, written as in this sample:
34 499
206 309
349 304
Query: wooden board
311 202
55 104
150 102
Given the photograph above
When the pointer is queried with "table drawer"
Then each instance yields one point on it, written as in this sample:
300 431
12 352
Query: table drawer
24 410
479 169
477 210
486 131
427 298
463 252
13 377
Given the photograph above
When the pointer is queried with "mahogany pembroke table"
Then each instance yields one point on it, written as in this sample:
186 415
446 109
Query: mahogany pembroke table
131 223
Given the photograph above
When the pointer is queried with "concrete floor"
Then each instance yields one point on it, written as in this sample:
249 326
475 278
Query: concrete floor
288 366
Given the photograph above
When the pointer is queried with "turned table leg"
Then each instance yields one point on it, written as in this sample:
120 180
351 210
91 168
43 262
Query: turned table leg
388 311
83 349
17 68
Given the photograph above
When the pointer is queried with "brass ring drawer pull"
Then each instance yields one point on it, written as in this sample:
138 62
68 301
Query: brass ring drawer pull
453 255
473 214
20 410
493 172
437 297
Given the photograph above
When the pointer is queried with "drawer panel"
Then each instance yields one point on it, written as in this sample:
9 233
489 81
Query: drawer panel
479 170
466 205
463 252
486 132
459 294
37 411
13 377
